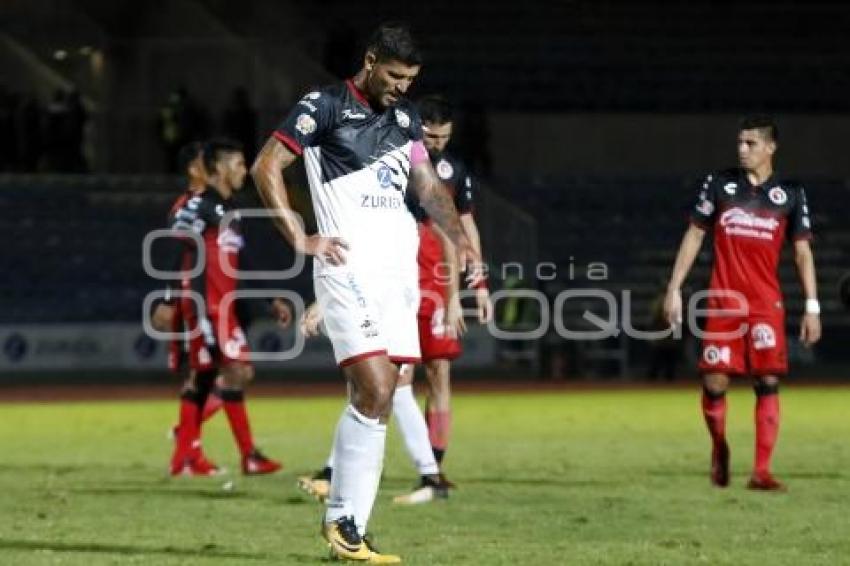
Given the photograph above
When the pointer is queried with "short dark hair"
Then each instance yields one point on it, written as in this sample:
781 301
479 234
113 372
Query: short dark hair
436 109
392 41
187 154
761 122
215 149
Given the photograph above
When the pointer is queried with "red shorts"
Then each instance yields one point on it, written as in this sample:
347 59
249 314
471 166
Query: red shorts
433 286
221 341
759 348
434 342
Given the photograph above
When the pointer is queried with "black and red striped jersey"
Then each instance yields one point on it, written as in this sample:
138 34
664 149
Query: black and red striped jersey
206 214
750 224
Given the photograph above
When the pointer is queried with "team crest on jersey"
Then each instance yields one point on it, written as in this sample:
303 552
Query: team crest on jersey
385 176
402 118
445 169
730 188
777 196
305 124
714 355
763 336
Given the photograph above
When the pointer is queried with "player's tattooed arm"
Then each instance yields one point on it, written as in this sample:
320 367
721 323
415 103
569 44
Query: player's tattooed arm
267 172
434 198
436 201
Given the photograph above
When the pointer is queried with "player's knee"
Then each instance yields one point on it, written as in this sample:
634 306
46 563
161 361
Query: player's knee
236 376
374 399
766 385
716 383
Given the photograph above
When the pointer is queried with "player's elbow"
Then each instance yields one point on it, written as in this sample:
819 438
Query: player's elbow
258 170
803 255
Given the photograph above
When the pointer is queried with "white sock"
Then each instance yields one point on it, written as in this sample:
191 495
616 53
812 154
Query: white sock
414 430
358 461
330 462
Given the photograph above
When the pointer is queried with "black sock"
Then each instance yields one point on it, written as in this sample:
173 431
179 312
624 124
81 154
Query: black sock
438 454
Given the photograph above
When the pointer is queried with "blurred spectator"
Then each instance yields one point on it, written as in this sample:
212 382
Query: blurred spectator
239 122
180 121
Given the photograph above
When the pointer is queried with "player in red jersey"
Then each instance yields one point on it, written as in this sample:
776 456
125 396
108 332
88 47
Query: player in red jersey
751 210
440 316
220 344
200 389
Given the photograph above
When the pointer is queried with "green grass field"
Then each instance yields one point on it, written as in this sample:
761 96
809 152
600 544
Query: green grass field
555 478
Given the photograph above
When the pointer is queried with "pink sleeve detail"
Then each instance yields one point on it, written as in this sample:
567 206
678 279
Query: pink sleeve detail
418 153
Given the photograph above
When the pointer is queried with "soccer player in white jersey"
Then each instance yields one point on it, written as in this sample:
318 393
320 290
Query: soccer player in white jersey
362 147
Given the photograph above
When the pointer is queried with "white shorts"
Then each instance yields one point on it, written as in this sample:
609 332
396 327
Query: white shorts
370 314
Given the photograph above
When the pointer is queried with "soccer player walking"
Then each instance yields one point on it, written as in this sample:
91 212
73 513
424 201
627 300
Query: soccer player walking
220 345
362 147
440 315
752 210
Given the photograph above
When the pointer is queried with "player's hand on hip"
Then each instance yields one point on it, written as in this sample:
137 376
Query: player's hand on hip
329 250
282 312
311 321
673 307
810 329
455 325
162 317
484 305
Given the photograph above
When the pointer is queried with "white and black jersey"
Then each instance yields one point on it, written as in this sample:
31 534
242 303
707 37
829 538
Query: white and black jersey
358 161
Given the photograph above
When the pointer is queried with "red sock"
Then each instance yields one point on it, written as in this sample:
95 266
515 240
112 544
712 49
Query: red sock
767 429
187 429
212 405
714 411
234 407
439 429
